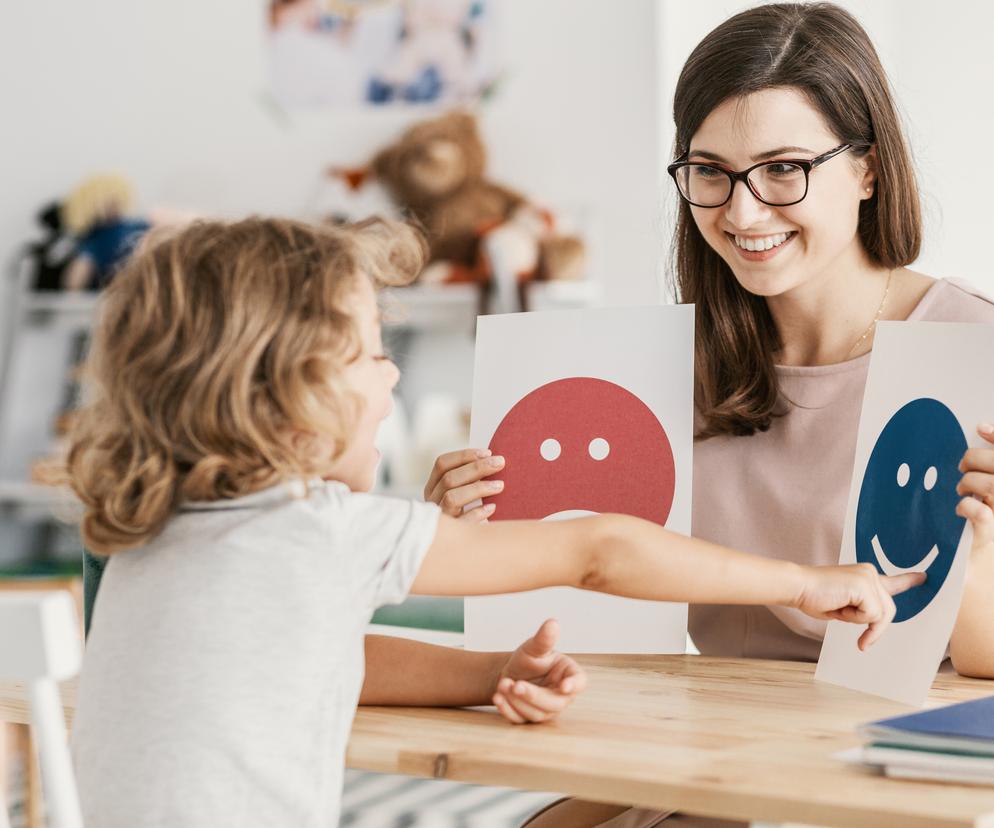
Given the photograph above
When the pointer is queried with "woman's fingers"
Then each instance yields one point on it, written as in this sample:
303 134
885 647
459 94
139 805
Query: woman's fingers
480 514
978 459
452 501
466 483
982 518
445 463
978 484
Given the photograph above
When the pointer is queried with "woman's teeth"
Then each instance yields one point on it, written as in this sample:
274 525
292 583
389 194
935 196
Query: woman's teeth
761 243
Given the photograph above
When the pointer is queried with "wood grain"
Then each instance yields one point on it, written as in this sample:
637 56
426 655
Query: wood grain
731 738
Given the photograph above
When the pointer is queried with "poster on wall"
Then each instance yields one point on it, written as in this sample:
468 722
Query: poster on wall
351 53
592 411
917 421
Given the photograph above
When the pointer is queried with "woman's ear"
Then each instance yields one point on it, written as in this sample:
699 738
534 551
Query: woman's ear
868 183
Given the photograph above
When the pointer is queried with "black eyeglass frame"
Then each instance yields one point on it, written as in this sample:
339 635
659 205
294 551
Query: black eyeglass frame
805 164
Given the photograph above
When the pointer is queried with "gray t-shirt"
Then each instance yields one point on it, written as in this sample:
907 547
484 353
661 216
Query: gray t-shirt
225 659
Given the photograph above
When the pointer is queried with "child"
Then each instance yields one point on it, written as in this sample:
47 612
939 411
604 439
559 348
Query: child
238 379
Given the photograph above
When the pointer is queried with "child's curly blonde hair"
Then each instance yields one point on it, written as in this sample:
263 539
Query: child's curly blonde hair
216 344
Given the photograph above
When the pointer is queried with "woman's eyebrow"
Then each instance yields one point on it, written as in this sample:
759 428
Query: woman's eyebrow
713 156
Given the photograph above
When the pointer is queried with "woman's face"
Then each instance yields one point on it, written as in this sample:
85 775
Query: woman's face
778 124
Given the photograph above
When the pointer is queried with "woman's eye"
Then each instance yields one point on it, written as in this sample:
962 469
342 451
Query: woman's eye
706 172
783 170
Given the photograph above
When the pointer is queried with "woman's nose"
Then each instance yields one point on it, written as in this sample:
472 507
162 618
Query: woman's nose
743 210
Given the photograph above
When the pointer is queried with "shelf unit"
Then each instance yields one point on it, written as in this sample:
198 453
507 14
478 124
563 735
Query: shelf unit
418 308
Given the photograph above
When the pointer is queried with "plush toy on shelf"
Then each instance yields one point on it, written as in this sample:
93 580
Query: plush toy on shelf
50 256
478 231
97 212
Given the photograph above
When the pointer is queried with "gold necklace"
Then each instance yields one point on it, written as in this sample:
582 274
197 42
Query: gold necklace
876 318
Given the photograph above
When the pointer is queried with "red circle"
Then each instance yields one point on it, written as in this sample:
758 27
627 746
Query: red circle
637 477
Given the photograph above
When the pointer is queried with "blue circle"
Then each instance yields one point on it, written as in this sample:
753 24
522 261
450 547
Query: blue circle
907 503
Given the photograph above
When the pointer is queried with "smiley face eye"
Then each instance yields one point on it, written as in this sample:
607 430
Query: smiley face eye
550 449
599 448
903 475
931 476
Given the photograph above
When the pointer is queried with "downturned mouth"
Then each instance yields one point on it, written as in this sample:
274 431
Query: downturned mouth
891 568
569 514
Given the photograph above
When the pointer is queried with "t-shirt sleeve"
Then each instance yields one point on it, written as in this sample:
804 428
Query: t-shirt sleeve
390 537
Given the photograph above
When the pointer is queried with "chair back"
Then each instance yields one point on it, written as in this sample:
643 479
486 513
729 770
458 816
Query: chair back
40 645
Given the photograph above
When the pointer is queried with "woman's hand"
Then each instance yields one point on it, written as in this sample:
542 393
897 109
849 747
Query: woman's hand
977 490
459 478
857 594
537 683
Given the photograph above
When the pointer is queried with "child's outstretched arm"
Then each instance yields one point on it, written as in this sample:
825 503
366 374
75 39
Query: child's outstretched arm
627 556
533 684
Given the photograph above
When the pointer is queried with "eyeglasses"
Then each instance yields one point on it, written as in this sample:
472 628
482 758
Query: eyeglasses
777 183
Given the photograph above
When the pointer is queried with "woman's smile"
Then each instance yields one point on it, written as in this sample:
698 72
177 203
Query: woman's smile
760 248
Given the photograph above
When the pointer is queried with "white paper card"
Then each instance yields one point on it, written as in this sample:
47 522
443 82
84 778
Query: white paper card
921 408
593 412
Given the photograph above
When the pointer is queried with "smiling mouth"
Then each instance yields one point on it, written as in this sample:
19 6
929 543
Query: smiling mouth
890 568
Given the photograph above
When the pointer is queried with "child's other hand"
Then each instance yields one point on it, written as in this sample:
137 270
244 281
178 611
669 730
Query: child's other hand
537 683
857 594
457 479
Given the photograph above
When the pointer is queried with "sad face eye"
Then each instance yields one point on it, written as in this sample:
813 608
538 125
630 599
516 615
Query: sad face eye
931 476
550 449
599 448
903 475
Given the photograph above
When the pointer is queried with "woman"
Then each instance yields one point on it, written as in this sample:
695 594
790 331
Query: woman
799 215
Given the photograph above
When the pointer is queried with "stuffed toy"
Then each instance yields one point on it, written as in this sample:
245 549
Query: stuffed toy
50 256
97 212
478 231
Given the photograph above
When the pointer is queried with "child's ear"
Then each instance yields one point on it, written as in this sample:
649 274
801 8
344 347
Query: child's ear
308 445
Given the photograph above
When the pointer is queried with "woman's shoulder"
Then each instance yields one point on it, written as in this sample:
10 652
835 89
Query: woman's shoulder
953 300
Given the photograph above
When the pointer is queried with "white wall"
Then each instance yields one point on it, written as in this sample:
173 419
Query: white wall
941 64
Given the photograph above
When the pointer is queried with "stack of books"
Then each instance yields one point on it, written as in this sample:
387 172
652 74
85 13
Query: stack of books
948 744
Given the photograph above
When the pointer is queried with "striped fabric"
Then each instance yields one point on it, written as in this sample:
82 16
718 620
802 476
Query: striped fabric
376 800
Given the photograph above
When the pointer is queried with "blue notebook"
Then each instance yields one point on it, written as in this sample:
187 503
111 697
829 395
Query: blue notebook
967 726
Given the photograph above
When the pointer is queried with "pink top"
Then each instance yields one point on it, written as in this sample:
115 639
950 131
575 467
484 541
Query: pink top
783 493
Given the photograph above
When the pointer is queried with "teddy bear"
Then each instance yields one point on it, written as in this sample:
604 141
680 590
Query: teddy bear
478 230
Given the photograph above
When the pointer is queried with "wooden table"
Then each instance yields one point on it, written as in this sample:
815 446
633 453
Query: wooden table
742 739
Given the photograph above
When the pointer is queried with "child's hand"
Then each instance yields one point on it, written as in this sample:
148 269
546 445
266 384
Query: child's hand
537 683
857 594
457 479
977 489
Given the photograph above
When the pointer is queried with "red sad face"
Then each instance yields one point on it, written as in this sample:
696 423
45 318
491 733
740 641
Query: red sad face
583 444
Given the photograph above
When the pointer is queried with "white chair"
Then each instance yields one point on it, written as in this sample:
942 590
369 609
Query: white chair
40 645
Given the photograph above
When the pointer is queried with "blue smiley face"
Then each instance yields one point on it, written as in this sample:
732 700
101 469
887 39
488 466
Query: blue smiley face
906 520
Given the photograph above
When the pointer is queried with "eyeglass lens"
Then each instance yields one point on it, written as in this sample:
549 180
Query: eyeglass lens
775 183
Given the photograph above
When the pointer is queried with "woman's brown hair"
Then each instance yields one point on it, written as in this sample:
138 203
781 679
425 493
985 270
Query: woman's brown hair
822 51
216 344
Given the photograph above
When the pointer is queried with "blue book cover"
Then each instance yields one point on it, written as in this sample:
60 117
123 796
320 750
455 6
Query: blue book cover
969 722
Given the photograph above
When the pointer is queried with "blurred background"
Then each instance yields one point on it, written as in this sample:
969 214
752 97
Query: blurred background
281 106
139 114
